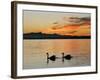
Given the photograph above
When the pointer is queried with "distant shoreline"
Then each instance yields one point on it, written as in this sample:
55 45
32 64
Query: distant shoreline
52 36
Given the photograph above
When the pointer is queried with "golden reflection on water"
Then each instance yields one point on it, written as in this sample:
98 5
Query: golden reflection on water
35 52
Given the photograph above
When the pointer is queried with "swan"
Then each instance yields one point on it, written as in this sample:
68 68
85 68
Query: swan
53 57
68 57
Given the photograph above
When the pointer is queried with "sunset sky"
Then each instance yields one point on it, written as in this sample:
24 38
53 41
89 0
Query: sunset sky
63 23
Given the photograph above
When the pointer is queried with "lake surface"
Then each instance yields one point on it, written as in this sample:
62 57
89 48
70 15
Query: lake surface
34 53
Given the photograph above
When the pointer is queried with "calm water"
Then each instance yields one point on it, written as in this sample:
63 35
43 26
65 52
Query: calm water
35 53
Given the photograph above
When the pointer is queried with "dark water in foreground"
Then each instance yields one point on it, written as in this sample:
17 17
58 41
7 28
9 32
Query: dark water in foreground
35 53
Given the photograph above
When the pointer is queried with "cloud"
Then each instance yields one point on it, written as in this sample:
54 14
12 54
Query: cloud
72 32
81 20
56 27
74 19
74 22
55 23
73 26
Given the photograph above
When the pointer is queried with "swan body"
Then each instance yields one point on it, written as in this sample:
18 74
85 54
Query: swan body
68 57
53 57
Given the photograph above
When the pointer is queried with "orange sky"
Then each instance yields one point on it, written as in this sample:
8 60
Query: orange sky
75 24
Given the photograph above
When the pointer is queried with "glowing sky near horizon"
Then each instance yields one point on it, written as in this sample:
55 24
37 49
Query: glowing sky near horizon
63 23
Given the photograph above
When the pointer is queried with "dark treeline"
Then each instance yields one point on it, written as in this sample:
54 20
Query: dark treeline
51 36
